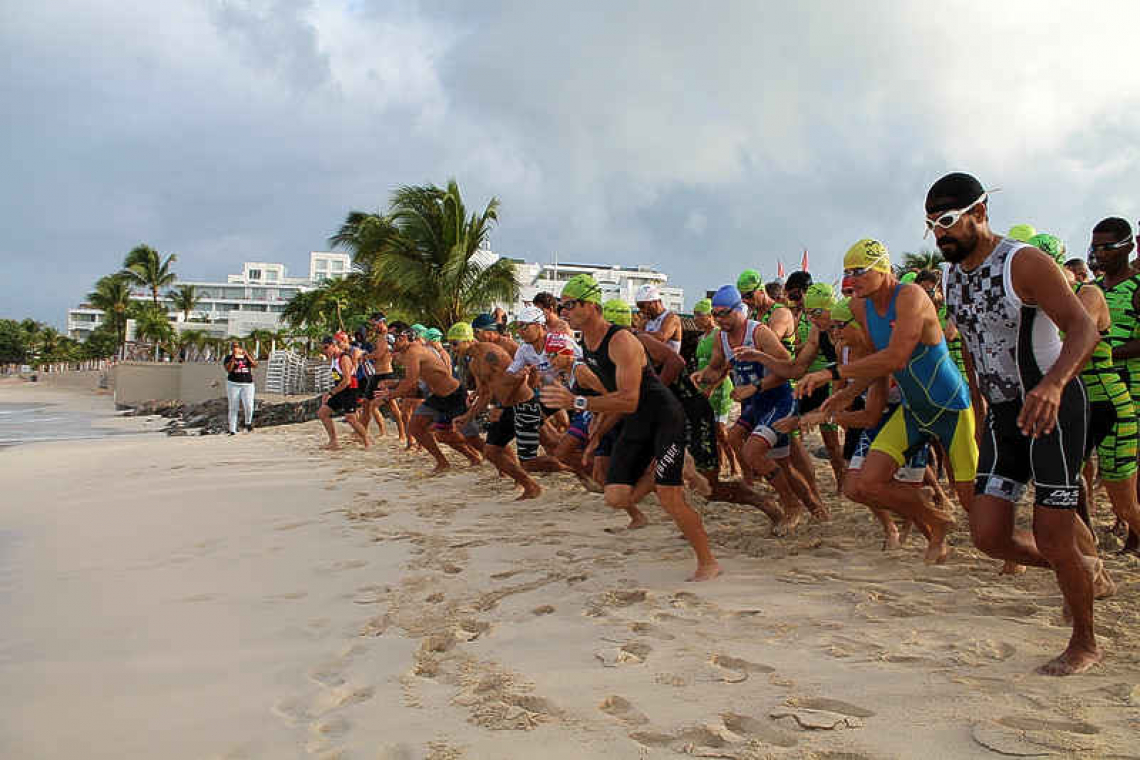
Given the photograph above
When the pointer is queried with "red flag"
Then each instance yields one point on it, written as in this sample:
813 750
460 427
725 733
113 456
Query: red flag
780 269
804 261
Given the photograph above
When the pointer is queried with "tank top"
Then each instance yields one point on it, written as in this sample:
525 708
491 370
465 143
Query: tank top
743 372
337 377
1012 343
653 325
930 383
1125 327
603 366
826 353
1099 376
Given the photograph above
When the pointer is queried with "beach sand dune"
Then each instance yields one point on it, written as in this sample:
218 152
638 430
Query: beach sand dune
254 597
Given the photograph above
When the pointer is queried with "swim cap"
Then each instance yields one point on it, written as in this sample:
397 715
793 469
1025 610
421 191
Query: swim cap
841 311
727 297
909 277
703 306
531 315
647 294
798 281
748 281
432 335
460 331
1050 244
819 296
868 253
419 330
341 336
1021 232
616 311
952 192
583 287
484 322
559 344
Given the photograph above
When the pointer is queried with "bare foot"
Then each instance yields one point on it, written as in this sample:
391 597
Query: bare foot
590 484
367 443
1103 586
700 484
820 514
891 540
937 551
789 522
531 491
1012 568
330 447
904 532
706 572
440 467
637 519
1072 661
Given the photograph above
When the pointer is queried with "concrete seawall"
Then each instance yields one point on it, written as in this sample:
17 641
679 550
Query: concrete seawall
190 383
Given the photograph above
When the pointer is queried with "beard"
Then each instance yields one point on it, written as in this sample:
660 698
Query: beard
955 250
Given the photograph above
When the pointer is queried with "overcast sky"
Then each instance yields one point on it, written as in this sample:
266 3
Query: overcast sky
699 138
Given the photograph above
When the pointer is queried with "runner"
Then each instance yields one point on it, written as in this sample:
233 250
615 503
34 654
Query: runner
654 426
548 302
720 395
661 323
765 398
343 398
1111 248
469 428
446 398
486 361
488 330
1078 269
903 329
381 357
1008 301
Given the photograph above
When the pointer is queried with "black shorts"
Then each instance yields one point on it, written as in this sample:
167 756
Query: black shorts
655 431
447 408
851 436
1008 460
344 402
519 423
700 425
369 386
815 400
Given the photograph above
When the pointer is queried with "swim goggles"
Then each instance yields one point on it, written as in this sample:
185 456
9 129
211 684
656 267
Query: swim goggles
948 219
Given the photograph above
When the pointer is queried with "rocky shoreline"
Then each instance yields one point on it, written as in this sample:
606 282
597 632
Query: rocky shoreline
210 417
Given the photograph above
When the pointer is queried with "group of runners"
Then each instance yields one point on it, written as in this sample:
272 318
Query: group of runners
1008 367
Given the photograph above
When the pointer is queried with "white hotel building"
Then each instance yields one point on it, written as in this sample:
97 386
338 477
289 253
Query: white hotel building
615 280
252 300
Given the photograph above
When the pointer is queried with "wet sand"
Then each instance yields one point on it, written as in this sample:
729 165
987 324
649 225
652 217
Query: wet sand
251 596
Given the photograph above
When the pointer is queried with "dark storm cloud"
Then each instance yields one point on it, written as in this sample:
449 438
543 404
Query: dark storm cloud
698 139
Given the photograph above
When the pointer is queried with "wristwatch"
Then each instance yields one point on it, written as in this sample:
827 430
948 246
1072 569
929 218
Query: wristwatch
579 403
834 371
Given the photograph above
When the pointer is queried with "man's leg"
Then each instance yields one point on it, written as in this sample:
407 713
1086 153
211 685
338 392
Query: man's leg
619 496
853 490
877 484
325 415
420 429
1055 533
673 501
504 459
756 459
801 461
352 419
835 455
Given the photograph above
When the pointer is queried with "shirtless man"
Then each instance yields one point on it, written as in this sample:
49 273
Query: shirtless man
343 397
486 361
654 426
548 302
381 357
1012 306
447 398
660 323
487 330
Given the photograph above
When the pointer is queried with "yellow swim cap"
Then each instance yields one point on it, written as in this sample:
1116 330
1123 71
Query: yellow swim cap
819 296
460 331
617 311
1021 232
868 253
841 311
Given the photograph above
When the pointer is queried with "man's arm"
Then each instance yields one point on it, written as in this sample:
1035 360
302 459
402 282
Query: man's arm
672 365
1038 281
483 395
671 325
782 322
410 384
627 354
717 368
785 368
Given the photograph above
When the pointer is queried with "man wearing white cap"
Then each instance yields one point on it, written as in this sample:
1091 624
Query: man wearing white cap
660 322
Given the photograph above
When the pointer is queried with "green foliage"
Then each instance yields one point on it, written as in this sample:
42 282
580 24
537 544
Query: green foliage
112 294
184 298
13 342
152 325
420 259
102 343
144 266
925 259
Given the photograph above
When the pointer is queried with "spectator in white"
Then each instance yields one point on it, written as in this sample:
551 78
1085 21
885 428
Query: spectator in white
660 322
239 385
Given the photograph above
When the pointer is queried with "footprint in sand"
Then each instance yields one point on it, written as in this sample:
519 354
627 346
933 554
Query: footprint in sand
633 653
545 609
737 670
648 629
1026 723
621 709
328 674
342 696
831 705
746 726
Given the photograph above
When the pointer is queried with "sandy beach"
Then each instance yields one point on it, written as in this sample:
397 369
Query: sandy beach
253 597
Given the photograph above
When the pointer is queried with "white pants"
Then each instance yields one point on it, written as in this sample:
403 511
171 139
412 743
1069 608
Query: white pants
242 392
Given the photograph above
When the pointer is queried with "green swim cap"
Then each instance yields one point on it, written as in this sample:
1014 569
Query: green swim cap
583 287
617 311
909 277
1021 232
419 330
432 335
460 331
841 311
1050 244
819 296
748 281
703 306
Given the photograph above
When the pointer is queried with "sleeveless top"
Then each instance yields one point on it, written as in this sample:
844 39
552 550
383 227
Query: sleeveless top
930 383
653 325
789 341
826 353
1099 375
1012 343
337 377
603 366
1125 327
750 373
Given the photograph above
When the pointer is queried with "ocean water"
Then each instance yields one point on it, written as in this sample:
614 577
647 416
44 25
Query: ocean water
32 422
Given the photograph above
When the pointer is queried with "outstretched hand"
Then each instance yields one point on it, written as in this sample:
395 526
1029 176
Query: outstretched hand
1038 414
556 397
808 384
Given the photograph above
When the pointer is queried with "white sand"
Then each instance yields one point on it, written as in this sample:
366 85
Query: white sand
253 597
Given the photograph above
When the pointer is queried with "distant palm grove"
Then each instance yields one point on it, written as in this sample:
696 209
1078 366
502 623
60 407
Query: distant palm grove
417 261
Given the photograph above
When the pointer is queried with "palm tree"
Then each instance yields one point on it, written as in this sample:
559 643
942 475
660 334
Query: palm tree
429 270
184 299
193 339
112 295
153 325
917 261
144 266
262 341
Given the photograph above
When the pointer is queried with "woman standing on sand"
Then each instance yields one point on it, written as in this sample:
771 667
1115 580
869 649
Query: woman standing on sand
239 385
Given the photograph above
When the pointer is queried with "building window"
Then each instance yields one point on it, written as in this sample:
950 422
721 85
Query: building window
337 266
271 275
255 274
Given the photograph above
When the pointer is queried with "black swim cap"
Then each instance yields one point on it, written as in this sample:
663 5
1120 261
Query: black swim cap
797 281
954 191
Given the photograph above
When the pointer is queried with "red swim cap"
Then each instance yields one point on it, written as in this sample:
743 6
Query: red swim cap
559 344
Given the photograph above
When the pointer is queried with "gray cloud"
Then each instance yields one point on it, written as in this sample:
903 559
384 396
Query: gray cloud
698 139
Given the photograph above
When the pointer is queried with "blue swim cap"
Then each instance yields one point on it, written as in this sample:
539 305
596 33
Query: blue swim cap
728 297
